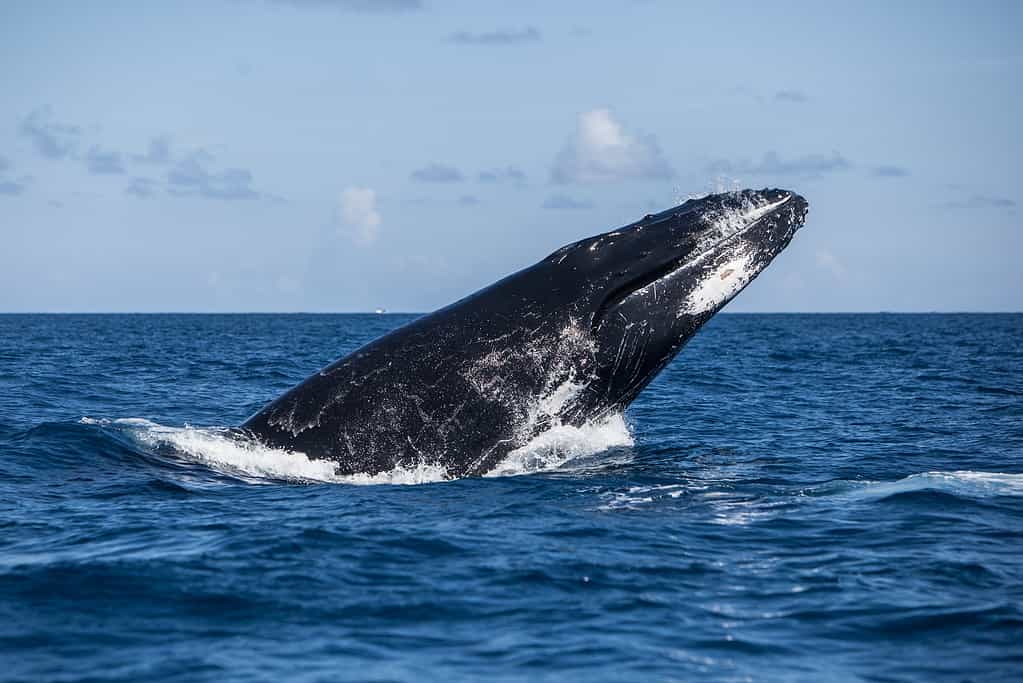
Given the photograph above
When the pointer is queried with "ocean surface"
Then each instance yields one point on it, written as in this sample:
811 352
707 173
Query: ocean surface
795 498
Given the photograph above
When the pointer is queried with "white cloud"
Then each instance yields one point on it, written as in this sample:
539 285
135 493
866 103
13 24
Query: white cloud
602 150
359 214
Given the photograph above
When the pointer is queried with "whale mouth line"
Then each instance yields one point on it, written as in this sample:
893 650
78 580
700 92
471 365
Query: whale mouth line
619 294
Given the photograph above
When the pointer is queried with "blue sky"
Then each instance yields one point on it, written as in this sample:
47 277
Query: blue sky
343 155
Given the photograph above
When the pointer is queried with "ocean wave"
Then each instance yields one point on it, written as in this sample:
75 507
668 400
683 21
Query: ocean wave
965 483
731 507
961 482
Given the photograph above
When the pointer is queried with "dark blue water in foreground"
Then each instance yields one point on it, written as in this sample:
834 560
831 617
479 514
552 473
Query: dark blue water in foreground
821 497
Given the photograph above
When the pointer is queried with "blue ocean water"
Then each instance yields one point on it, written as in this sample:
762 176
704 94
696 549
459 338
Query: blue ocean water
797 498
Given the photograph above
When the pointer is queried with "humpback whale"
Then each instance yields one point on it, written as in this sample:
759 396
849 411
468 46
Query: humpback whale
568 340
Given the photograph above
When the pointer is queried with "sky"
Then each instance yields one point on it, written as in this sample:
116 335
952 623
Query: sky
348 155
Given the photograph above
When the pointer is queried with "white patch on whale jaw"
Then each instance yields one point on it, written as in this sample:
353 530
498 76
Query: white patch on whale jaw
719 285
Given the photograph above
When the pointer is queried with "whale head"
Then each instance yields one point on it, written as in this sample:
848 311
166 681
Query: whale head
644 290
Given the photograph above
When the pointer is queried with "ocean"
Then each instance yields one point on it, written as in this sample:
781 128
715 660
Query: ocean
795 498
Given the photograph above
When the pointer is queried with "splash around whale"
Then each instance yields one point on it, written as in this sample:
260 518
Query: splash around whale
564 344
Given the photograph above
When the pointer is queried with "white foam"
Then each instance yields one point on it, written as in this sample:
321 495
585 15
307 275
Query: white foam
636 497
560 443
400 475
229 454
219 451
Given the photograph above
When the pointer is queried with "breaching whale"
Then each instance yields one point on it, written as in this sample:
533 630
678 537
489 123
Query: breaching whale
568 340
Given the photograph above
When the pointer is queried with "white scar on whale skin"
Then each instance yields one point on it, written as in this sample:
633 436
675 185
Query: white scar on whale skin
719 286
